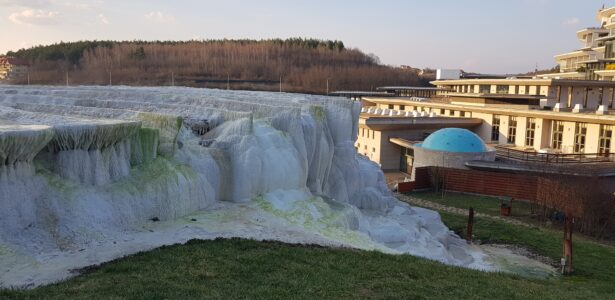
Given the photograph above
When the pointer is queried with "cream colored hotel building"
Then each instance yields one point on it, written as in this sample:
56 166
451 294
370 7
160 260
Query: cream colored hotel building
595 60
553 113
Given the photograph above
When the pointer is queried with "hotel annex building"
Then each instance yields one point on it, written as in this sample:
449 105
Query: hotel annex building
570 112
547 139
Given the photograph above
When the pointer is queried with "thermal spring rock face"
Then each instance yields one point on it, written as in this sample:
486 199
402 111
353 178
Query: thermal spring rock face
88 174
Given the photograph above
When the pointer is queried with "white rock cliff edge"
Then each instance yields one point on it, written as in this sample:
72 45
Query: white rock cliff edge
89 174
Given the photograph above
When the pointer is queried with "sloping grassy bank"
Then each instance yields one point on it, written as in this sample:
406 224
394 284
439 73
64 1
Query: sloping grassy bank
249 269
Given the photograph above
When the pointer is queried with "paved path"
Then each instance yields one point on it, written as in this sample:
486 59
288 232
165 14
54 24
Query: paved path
455 210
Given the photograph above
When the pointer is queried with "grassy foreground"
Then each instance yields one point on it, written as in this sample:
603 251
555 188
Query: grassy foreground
249 269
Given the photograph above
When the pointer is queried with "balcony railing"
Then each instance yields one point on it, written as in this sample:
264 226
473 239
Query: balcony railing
556 158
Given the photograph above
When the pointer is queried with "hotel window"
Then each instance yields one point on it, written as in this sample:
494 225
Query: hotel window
580 131
502 89
495 128
557 135
527 89
451 112
402 107
442 110
516 89
462 114
530 131
471 89
606 133
484 89
512 129
391 106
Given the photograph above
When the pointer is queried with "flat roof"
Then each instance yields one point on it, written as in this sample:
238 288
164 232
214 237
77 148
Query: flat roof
359 93
409 88
606 38
601 169
605 72
533 81
571 54
534 113
606 12
562 74
496 96
402 142
380 123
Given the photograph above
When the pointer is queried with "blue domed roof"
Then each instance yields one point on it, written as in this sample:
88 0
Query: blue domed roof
454 140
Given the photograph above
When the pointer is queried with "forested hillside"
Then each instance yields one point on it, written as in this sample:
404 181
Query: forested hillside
304 65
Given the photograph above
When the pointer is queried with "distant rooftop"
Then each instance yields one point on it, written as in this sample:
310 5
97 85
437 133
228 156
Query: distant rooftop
13 61
409 88
360 94
482 76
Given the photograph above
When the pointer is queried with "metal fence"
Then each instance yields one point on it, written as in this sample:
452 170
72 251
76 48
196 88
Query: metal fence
557 158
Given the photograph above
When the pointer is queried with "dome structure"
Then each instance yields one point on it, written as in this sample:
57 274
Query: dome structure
454 140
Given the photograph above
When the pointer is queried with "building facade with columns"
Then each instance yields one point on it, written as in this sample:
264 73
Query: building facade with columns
528 129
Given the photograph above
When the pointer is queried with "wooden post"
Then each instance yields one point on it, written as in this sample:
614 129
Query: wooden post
327 86
567 260
470 225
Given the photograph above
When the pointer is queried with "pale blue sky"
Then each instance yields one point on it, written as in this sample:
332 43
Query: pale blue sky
491 36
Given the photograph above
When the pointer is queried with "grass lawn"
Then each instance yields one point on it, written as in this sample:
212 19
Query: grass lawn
483 204
249 269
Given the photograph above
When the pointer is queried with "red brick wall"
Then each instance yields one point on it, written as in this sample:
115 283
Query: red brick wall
490 183
422 179
588 198
486 183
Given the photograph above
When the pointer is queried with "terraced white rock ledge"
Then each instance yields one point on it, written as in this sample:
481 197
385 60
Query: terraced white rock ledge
89 174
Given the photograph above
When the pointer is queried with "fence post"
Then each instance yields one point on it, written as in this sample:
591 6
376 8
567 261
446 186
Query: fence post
567 260
470 225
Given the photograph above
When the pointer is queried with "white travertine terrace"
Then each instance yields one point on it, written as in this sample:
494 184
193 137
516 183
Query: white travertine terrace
84 170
